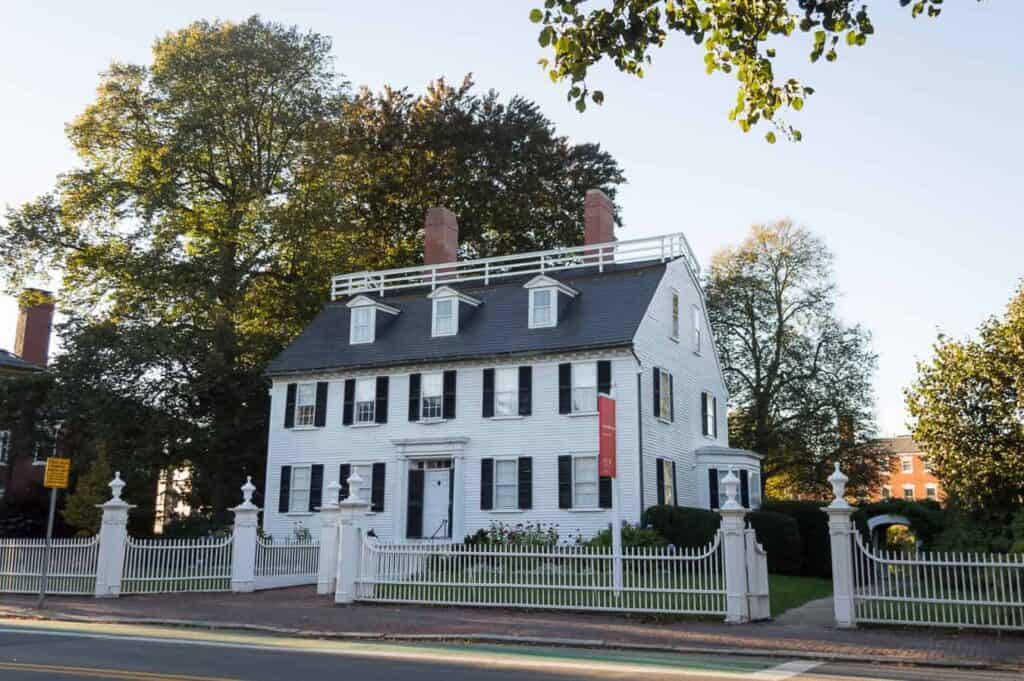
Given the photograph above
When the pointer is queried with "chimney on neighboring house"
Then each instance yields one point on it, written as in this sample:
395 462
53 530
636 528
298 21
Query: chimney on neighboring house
440 237
598 218
35 318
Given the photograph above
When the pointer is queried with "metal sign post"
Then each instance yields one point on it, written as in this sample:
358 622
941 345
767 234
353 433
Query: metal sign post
58 471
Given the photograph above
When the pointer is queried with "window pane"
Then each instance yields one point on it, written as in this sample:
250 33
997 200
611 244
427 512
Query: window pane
541 307
361 324
432 407
506 472
506 496
444 323
366 389
431 384
506 392
675 315
306 394
665 394
696 329
908 493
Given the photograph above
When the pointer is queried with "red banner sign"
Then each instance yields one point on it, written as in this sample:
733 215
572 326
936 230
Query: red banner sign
606 436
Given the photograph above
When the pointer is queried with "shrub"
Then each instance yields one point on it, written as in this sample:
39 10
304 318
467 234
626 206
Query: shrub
812 522
632 536
927 518
779 535
193 526
522 534
681 526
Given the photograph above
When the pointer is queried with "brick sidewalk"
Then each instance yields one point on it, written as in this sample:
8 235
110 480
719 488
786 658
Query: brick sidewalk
300 610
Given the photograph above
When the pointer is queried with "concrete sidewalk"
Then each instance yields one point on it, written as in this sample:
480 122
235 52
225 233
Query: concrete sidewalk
300 611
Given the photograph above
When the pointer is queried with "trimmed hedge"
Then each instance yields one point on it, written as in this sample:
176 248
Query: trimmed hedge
682 526
812 522
927 518
780 536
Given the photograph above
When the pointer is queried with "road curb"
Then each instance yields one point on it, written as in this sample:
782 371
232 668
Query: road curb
600 644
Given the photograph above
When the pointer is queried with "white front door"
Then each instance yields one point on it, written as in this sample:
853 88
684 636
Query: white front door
435 504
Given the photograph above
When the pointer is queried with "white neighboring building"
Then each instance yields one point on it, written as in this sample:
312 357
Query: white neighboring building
465 391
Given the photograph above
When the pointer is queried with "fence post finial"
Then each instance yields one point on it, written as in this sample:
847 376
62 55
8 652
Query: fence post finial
732 486
116 486
838 481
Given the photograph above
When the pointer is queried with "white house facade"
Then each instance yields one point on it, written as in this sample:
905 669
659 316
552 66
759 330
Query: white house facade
465 392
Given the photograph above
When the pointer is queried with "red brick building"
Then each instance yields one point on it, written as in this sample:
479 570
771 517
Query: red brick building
909 476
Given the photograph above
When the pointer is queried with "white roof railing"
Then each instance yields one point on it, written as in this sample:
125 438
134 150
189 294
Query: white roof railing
660 248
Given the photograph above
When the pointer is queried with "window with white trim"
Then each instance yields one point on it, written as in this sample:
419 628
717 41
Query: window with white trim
366 400
664 394
506 391
542 308
697 333
675 315
755 490
931 492
668 483
432 396
907 464
362 325
584 482
445 310
709 413
5 445
298 490
908 492
584 387
365 488
305 404
886 492
506 484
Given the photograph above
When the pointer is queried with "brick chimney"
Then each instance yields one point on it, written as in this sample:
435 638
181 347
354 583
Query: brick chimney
35 317
440 237
598 218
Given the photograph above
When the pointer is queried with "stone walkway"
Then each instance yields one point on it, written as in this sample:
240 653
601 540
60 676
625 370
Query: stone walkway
814 613
301 611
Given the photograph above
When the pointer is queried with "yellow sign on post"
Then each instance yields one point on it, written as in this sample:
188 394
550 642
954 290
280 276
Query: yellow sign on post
57 473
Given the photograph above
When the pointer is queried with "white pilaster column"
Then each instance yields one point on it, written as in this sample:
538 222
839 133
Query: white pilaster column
327 568
840 530
352 511
734 551
113 536
243 549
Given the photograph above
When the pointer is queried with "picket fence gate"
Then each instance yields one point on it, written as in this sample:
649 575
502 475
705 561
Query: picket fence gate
154 566
72 566
285 564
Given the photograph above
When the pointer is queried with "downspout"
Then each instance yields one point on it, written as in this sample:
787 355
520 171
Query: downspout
639 431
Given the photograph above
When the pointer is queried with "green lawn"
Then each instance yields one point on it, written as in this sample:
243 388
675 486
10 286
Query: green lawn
792 592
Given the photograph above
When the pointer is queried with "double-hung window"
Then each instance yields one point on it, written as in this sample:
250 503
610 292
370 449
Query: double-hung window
444 316
506 391
542 308
755 490
298 500
506 484
366 400
584 387
305 404
697 334
432 396
584 482
668 483
362 325
931 492
664 394
5 445
907 464
908 492
675 315
886 492
709 414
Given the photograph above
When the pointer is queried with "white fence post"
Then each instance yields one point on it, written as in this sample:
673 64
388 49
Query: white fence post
243 549
113 535
840 530
327 567
734 547
351 513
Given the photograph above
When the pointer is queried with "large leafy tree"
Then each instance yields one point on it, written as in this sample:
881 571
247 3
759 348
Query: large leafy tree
217 191
799 379
967 404
738 37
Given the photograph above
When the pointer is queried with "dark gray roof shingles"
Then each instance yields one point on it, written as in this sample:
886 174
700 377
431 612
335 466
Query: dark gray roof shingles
606 313
9 360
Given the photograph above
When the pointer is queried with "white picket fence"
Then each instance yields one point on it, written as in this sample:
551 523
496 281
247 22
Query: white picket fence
286 564
176 565
72 570
944 589
690 581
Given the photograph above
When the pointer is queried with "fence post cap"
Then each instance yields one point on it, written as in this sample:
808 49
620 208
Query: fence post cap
838 481
732 486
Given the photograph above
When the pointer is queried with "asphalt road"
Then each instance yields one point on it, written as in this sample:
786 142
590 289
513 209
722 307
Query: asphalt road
33 651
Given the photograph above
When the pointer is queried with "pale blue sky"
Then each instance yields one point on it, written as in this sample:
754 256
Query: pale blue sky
910 166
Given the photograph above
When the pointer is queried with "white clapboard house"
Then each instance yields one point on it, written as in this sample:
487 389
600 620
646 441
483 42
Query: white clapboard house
465 392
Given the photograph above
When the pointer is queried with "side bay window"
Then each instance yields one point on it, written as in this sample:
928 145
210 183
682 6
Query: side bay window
579 384
301 488
580 486
664 404
506 484
366 401
306 405
666 480
432 396
708 414
374 476
508 391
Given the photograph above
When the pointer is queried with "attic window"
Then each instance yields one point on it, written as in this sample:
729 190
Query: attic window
445 317
544 292
363 327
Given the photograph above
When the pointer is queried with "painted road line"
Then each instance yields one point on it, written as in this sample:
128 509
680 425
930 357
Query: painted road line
103 673
785 671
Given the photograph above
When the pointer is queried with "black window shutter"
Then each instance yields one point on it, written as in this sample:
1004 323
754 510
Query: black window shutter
486 484
671 399
565 392
381 408
525 391
675 486
285 490
289 406
343 473
604 377
660 465
488 393
713 487
448 405
714 412
704 414
414 397
377 487
414 508
604 492
525 482
320 415
316 487
744 489
350 402
657 392
565 481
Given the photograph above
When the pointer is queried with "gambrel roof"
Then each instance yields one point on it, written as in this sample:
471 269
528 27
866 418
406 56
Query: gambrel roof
605 314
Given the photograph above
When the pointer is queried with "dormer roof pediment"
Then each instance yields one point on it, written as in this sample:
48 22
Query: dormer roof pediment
544 281
449 292
367 301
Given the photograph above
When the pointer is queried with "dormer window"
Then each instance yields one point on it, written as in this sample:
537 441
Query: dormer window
445 318
544 292
363 327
